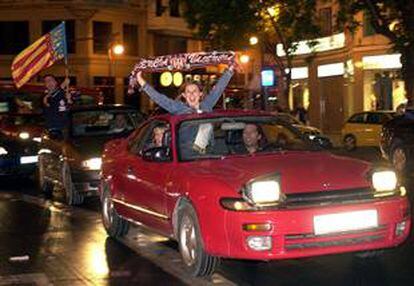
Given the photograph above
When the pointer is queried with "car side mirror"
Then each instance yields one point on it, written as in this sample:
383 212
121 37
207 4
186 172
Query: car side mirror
157 154
56 134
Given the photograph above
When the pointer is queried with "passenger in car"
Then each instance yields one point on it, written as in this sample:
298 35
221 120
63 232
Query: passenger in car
158 135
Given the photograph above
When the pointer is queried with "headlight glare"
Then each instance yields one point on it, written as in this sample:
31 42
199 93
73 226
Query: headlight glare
384 181
24 135
263 192
92 164
3 151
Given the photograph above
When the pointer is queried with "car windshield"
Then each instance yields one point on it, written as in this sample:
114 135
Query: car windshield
218 137
103 122
24 120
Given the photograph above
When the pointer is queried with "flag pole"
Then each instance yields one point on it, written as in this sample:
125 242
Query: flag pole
67 81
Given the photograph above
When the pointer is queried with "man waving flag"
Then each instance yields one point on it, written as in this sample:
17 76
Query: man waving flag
43 53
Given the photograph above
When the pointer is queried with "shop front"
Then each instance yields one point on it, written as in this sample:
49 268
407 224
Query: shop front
383 85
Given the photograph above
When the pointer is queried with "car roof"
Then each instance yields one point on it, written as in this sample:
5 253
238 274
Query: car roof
213 114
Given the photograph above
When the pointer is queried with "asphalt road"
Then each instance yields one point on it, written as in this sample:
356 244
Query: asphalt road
44 242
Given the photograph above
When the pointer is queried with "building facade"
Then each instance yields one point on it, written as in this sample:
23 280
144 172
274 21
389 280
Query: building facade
143 27
345 73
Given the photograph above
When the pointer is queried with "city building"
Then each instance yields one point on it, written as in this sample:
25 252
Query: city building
94 29
345 73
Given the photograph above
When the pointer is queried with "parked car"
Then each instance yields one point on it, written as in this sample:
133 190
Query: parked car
70 160
312 132
364 129
17 157
397 142
289 199
22 126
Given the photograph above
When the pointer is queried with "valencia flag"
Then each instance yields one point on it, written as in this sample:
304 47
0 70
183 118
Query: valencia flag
40 55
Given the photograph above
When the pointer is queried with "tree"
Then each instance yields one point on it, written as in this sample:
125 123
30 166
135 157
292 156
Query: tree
228 24
393 19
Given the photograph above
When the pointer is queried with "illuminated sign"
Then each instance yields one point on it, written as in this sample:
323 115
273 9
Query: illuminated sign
392 61
331 69
268 78
324 44
299 72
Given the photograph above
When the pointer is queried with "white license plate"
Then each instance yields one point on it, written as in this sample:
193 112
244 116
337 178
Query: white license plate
340 222
28 159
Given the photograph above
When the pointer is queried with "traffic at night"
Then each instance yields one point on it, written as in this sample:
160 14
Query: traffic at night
194 142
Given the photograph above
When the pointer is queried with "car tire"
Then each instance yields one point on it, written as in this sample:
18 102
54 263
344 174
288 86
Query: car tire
197 261
399 158
45 186
349 142
72 196
115 226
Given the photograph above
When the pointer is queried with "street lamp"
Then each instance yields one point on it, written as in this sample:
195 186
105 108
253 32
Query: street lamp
115 50
118 49
244 59
253 40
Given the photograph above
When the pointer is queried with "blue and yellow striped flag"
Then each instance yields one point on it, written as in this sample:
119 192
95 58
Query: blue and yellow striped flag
40 55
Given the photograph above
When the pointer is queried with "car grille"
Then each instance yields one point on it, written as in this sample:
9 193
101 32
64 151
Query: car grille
329 197
309 241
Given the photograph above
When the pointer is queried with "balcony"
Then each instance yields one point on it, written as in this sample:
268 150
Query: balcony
161 20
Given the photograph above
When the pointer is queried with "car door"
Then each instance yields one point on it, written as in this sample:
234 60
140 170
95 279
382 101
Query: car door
146 182
355 126
373 128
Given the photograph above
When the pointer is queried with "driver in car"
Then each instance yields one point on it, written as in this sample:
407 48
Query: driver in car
121 124
252 140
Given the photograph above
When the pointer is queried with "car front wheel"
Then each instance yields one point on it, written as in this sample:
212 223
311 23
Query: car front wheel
72 196
197 261
45 186
114 225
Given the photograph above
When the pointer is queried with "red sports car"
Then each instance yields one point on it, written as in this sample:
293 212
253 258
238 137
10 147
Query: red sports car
247 185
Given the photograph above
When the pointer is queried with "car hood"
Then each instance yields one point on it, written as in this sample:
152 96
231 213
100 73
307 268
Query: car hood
300 172
89 147
307 129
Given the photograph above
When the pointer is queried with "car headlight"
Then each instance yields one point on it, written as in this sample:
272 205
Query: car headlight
92 164
37 139
263 192
384 181
3 151
24 135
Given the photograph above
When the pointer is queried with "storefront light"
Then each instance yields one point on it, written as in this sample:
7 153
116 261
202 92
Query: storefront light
299 73
392 61
324 44
331 70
